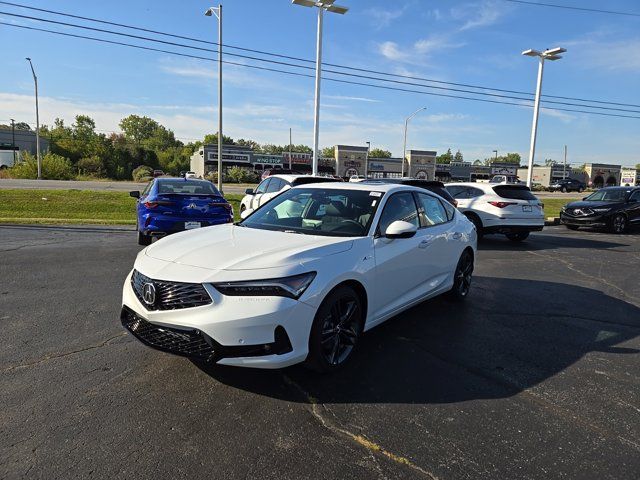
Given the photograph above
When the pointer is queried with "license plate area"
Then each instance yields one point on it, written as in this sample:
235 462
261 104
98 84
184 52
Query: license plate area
192 225
526 208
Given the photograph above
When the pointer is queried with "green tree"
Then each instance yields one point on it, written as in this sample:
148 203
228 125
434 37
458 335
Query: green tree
445 157
379 153
328 152
137 129
458 157
212 139
549 162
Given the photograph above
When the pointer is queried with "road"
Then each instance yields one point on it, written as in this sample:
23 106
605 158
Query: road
537 376
112 186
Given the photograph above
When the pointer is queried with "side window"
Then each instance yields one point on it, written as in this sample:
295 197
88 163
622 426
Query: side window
430 211
147 189
400 206
275 185
635 196
475 192
450 209
263 186
454 191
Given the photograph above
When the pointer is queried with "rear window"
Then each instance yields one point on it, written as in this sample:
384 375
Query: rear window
307 180
515 192
186 187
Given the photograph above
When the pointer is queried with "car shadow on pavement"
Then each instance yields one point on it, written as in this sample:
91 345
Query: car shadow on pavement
545 242
509 336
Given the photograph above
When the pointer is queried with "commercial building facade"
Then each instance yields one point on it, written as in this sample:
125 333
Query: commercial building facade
20 141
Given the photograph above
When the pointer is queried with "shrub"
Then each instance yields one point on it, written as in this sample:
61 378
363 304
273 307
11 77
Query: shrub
140 173
54 167
92 166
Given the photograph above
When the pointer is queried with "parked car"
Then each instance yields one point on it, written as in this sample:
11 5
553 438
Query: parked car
273 185
357 178
506 209
279 289
190 175
615 208
567 185
168 205
506 179
157 173
431 185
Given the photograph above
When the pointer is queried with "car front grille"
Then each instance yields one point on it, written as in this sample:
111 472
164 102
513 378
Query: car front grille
579 212
188 343
168 295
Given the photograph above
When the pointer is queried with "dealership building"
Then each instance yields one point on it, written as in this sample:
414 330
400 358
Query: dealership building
20 141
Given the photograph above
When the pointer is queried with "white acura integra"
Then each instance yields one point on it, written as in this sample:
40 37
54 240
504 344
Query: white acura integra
301 277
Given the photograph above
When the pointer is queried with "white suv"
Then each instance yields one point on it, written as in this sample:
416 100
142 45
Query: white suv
507 209
273 185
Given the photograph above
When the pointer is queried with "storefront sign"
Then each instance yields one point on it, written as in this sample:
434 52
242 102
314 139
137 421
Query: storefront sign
229 157
376 166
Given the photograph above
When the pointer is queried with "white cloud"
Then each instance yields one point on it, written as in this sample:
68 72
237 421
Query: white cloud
420 51
390 51
562 116
477 15
604 53
383 18
352 99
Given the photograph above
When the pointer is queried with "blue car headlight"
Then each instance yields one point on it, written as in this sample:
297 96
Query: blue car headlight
291 287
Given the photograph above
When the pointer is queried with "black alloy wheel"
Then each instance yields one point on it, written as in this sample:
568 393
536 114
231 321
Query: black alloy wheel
335 331
619 224
462 277
518 237
563 189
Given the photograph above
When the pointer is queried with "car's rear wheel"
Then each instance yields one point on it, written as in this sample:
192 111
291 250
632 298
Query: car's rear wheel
336 330
619 224
517 237
462 277
475 219
144 239
563 189
572 227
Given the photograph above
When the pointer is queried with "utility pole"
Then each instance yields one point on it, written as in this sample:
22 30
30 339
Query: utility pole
564 167
496 152
290 168
39 159
13 140
366 162
217 11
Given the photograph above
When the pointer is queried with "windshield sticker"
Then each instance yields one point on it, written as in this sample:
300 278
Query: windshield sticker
375 194
373 204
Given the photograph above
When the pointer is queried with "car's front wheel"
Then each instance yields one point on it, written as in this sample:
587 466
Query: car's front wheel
619 224
563 189
336 330
462 277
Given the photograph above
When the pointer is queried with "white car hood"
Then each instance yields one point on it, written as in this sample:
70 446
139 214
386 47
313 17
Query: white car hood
228 247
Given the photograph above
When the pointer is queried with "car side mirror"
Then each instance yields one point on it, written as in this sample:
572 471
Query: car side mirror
249 191
246 213
134 194
401 229
584 198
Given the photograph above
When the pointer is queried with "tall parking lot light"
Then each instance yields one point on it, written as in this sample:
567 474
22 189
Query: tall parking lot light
550 54
322 6
217 11
404 144
38 158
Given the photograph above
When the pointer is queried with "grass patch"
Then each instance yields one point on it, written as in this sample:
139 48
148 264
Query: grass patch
74 207
552 206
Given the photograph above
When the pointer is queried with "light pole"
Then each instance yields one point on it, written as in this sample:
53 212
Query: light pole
39 160
404 144
322 6
564 165
550 54
366 162
217 11
13 140
290 168
496 152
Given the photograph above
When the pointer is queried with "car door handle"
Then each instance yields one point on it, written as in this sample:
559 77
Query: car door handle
456 236
425 243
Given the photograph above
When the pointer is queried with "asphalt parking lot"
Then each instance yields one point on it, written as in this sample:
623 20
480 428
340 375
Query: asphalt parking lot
536 376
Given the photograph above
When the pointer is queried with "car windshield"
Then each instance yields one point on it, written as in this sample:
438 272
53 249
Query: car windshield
613 195
186 187
315 211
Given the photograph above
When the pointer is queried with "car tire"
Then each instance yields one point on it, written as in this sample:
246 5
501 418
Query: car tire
572 227
462 277
563 189
580 189
619 224
517 237
475 219
336 329
242 208
144 239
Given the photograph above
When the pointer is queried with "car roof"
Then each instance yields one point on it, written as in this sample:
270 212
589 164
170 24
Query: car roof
367 187
291 177
164 179
406 181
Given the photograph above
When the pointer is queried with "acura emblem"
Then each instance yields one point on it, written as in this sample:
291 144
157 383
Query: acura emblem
193 205
149 293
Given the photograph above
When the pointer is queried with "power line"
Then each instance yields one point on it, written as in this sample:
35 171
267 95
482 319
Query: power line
290 57
248 57
569 7
325 78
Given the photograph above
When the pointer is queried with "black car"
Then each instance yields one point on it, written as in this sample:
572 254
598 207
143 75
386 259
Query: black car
615 208
431 185
567 185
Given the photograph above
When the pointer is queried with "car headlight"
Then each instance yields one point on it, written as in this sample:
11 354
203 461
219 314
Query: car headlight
292 287
601 210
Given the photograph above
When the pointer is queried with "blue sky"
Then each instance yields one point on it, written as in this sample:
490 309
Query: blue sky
474 42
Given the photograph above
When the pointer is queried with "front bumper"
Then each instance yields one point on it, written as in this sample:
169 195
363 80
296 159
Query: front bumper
261 332
587 221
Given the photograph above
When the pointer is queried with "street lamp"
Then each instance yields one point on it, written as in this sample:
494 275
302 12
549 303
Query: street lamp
366 162
404 144
322 6
217 11
39 160
496 152
550 54
13 139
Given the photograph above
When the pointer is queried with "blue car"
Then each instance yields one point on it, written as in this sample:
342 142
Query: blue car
168 205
